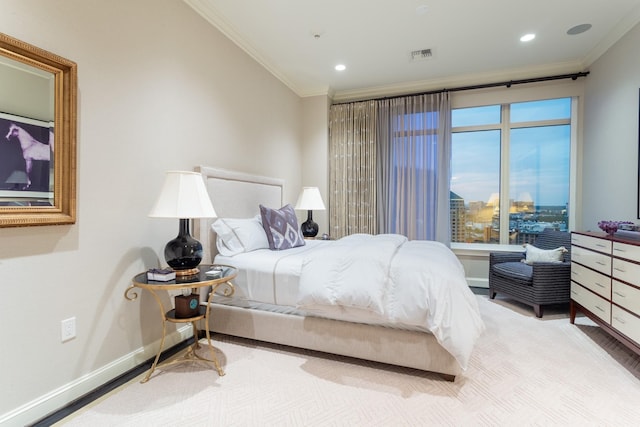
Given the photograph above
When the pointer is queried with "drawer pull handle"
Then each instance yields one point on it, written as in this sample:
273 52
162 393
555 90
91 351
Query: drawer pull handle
619 294
619 320
599 284
601 245
600 263
573 292
619 250
574 273
600 309
621 270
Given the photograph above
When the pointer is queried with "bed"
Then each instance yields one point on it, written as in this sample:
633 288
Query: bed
281 295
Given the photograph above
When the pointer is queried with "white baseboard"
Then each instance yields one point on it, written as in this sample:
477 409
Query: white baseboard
478 282
62 396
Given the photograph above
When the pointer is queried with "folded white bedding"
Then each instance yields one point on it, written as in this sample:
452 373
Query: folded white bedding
349 277
382 279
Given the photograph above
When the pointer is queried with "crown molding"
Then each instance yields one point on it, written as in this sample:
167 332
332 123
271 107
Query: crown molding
458 81
629 21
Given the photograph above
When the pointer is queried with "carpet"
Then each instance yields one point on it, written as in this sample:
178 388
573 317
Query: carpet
524 371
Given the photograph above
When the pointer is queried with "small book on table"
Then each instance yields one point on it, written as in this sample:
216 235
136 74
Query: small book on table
161 274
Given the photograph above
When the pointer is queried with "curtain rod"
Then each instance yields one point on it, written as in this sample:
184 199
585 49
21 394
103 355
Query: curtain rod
508 84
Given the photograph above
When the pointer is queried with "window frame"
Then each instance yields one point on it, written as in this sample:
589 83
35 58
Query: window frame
505 128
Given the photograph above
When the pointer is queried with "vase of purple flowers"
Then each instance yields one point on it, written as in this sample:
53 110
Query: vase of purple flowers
610 227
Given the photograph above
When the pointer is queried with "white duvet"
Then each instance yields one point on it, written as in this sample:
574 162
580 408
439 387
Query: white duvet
410 283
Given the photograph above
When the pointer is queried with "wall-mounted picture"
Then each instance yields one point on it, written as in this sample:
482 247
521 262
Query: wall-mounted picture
26 160
39 94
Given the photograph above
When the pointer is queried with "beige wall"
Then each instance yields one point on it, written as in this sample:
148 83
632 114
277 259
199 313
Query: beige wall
159 89
315 155
610 162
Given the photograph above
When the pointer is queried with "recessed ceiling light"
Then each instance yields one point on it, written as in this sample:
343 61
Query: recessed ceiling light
341 67
578 29
527 37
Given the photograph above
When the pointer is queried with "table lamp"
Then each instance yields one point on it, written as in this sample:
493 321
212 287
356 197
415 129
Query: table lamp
310 200
183 196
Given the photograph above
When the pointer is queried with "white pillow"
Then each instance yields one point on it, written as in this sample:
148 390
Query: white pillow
534 254
236 236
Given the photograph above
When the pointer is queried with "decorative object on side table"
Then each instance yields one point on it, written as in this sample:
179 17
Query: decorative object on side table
215 271
310 199
187 305
161 274
183 196
610 227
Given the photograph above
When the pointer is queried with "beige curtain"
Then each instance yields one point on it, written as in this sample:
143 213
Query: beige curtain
390 167
352 186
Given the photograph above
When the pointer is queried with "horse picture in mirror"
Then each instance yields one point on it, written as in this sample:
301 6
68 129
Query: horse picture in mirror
36 154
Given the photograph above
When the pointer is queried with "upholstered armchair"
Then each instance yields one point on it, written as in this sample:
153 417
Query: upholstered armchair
538 283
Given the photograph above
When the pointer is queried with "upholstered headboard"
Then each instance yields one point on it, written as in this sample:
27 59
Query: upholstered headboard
234 195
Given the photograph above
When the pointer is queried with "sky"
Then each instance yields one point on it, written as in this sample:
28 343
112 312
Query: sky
539 156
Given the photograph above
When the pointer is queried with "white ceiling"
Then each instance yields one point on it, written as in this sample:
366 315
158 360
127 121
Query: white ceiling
473 41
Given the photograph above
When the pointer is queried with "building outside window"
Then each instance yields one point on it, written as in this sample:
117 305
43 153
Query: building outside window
510 171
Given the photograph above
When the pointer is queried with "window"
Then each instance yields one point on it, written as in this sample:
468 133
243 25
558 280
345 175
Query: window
510 171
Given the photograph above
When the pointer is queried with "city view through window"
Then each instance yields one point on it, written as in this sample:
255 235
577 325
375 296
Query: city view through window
513 160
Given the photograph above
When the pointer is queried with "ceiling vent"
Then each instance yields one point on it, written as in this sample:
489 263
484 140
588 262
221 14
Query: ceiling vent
421 55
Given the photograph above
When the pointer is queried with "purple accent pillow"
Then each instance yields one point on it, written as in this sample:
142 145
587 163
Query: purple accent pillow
281 227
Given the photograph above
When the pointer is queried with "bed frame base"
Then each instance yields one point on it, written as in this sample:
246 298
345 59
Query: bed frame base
410 349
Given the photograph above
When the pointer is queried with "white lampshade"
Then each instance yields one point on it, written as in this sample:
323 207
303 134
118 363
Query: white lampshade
310 199
183 196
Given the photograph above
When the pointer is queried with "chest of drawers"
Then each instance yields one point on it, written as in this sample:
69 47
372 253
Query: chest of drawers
605 284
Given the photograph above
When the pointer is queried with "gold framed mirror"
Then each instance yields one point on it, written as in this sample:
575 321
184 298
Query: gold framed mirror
38 102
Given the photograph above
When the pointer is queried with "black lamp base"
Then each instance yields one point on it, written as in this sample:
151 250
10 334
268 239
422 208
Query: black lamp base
309 228
184 253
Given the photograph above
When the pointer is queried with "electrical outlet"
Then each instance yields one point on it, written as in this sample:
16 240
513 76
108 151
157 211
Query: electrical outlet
68 329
